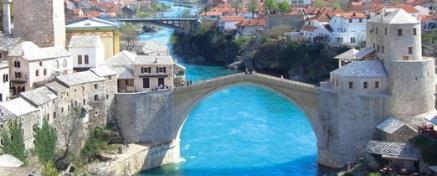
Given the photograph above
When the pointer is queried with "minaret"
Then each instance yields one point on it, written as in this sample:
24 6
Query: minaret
42 22
7 17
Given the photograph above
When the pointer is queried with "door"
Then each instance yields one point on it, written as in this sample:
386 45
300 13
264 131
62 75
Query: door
146 83
161 82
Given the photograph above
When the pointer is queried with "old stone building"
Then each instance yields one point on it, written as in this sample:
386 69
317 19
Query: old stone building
32 66
389 90
41 22
141 73
91 93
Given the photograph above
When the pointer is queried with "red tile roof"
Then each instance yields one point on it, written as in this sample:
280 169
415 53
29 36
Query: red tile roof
252 22
352 15
309 28
231 18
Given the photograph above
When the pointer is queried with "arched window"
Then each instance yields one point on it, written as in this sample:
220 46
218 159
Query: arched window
79 59
45 71
36 73
96 97
86 59
57 64
65 63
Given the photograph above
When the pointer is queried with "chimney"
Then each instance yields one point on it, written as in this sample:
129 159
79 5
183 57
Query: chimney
7 17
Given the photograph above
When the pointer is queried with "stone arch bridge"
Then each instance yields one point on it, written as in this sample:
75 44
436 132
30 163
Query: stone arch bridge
157 118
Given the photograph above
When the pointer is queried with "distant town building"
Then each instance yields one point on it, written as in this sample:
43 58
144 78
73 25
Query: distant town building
31 65
300 2
348 28
87 51
251 26
106 30
4 81
229 23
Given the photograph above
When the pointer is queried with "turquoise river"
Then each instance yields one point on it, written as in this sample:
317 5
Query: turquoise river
242 130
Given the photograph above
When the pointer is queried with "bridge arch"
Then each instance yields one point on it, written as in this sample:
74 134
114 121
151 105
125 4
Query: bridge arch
305 96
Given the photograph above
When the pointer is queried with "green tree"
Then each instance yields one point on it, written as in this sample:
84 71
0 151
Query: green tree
129 34
283 6
270 5
252 6
237 5
336 4
13 141
45 142
319 3
49 169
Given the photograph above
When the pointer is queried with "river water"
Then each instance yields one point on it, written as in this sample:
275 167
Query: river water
241 130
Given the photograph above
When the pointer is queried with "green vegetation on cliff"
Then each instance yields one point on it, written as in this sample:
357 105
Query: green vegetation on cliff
45 142
268 52
13 141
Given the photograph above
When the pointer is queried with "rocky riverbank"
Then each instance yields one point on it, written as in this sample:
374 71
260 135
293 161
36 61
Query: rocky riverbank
267 52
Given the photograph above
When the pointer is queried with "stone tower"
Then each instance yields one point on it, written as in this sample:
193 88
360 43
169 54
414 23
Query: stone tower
7 16
396 37
42 22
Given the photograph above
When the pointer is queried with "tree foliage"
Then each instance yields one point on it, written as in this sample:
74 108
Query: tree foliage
336 4
94 145
270 5
49 169
13 141
252 6
237 5
283 6
45 142
319 3
129 34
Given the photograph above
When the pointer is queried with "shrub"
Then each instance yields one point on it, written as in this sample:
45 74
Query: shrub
45 142
13 141
49 169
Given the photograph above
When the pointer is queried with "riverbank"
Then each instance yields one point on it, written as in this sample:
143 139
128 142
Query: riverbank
268 53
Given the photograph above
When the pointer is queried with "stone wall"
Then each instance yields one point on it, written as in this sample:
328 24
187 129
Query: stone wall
42 22
138 158
348 119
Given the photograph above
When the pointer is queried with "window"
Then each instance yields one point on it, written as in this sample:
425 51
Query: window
377 48
360 20
5 77
160 69
385 31
1 55
410 50
87 59
340 39
54 115
79 59
376 30
64 63
17 64
146 70
36 73
382 49
350 20
96 97
62 109
365 85
17 74
351 85
399 32
414 31
40 64
1 97
83 101
45 71
353 40
146 83
377 84
96 86
373 45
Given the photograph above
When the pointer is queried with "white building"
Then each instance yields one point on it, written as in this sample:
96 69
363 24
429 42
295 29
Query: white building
5 83
251 26
300 2
30 65
87 51
348 28
317 32
229 23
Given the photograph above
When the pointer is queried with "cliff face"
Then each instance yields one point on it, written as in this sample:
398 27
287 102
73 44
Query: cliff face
299 61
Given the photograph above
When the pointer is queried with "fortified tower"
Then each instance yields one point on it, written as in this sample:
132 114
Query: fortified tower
42 22
7 16
396 37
